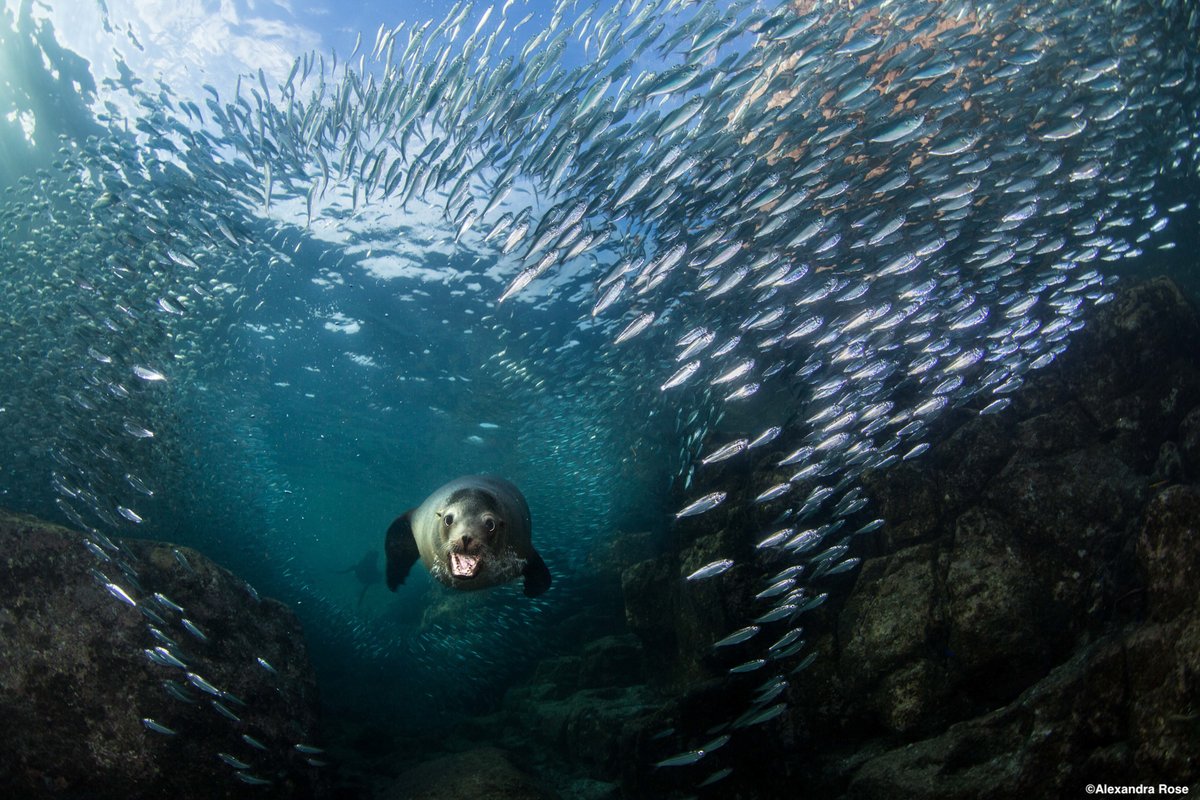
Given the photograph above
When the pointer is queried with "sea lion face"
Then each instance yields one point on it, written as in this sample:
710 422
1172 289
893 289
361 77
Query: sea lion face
472 540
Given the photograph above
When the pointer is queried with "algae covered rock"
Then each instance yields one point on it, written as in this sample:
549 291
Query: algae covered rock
481 774
1026 621
93 700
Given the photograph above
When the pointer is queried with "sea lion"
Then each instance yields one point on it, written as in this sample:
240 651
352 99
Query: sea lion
472 533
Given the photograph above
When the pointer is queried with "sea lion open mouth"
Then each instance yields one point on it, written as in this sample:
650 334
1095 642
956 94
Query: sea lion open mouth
472 533
463 565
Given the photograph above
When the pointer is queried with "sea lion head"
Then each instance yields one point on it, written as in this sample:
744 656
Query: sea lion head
472 542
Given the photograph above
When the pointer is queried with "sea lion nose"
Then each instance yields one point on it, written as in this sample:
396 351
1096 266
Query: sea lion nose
466 541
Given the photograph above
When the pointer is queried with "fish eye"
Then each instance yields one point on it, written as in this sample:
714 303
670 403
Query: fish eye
448 520
489 524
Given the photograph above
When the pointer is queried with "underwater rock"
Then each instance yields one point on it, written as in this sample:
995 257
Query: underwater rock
76 689
611 661
651 612
677 620
1119 711
1034 517
994 642
587 707
1132 370
481 774
1164 659
1052 741
1169 551
1189 442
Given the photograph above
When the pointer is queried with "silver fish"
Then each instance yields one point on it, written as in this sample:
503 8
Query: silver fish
682 760
705 503
725 452
738 636
158 727
639 324
711 569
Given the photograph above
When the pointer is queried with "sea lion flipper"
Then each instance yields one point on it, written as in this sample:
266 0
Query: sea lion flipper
537 576
401 550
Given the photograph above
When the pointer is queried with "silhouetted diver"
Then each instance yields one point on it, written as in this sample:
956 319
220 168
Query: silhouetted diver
367 571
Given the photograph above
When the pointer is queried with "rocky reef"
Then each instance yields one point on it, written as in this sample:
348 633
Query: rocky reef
89 713
484 773
1025 624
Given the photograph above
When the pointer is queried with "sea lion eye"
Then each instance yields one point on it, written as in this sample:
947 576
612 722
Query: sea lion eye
489 524
448 520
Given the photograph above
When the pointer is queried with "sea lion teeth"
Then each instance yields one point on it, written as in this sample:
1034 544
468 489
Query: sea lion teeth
463 565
